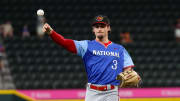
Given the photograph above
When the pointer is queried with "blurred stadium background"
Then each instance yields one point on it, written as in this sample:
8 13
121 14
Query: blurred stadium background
38 63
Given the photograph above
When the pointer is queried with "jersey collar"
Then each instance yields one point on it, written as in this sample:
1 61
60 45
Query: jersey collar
104 44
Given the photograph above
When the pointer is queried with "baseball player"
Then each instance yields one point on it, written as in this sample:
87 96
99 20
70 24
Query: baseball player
102 58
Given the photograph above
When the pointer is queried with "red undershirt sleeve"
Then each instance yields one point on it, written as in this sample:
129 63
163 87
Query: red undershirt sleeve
68 44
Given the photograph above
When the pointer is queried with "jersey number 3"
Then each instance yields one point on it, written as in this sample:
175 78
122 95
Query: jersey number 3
114 66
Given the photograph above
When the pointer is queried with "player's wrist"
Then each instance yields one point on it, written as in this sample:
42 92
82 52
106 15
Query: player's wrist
50 32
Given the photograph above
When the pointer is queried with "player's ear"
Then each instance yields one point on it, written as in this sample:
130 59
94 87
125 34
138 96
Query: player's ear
92 29
109 28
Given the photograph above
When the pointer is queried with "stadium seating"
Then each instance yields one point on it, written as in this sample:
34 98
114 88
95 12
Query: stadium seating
38 63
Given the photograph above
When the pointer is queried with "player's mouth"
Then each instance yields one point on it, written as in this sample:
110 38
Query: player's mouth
100 32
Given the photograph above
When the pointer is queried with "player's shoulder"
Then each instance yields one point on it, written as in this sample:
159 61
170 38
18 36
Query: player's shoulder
118 45
81 40
91 41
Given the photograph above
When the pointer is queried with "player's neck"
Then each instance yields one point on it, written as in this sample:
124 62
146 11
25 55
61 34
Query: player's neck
103 40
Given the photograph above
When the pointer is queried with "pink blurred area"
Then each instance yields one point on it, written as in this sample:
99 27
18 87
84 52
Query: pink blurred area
123 93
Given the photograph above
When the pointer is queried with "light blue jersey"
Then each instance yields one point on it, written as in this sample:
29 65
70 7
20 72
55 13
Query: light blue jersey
103 64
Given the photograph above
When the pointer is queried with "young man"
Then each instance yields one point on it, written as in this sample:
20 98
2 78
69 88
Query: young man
103 59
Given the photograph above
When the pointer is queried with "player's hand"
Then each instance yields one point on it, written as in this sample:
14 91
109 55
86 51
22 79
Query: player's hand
47 29
129 79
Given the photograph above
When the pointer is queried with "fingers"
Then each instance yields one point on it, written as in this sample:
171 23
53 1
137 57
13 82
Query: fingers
47 29
46 26
43 29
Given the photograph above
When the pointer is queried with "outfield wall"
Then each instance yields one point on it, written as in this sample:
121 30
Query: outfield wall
132 94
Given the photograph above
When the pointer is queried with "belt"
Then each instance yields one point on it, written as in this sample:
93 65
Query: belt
102 88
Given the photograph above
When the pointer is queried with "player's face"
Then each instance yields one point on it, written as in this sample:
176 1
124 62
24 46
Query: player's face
101 30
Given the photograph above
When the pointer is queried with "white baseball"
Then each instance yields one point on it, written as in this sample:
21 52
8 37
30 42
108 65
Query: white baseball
40 12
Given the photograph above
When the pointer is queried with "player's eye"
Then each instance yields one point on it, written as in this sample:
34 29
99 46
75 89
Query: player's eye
96 26
101 26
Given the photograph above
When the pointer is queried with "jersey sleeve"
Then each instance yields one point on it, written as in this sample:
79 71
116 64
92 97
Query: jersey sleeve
81 47
68 44
127 59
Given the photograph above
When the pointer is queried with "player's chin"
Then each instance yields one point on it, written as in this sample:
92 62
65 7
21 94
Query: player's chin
100 36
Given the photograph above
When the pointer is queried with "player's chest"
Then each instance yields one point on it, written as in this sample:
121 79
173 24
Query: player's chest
97 50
